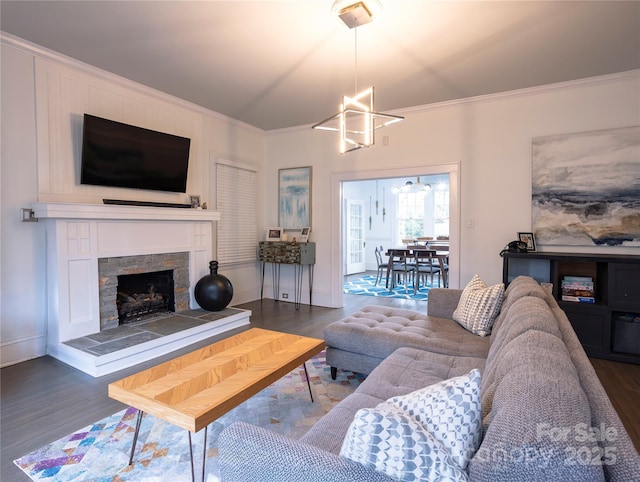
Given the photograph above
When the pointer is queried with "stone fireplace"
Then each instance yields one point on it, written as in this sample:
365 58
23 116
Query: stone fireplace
134 286
90 245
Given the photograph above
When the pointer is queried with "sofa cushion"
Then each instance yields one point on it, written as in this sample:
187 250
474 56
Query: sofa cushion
428 434
390 441
537 411
404 371
478 306
377 331
451 411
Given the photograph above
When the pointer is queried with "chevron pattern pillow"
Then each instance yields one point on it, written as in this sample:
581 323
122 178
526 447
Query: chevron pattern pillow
478 306
427 435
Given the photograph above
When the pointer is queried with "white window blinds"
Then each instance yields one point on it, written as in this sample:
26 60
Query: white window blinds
237 199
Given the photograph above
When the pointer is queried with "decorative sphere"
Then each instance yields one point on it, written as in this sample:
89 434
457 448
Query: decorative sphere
214 291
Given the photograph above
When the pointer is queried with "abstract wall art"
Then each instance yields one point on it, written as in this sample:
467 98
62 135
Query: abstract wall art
586 188
294 200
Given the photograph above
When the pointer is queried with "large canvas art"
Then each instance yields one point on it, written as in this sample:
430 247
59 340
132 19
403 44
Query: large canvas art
586 188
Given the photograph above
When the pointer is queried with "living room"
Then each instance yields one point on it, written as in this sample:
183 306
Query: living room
484 143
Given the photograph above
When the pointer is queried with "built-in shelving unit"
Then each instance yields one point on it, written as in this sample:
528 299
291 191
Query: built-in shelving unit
609 326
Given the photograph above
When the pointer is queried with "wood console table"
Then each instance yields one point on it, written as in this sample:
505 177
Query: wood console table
283 252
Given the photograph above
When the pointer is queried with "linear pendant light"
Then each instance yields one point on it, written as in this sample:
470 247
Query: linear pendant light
357 119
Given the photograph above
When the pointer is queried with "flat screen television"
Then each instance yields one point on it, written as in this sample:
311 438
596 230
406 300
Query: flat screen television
122 155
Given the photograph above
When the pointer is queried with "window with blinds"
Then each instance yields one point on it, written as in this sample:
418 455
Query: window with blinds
237 202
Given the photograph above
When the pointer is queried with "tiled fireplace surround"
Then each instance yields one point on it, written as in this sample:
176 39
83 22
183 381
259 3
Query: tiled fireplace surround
87 246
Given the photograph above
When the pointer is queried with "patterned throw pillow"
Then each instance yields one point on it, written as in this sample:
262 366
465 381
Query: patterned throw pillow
478 306
429 434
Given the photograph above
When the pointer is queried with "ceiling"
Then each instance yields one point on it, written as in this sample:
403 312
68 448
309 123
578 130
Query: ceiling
277 64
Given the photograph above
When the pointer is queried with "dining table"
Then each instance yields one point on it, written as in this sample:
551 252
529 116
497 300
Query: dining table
441 255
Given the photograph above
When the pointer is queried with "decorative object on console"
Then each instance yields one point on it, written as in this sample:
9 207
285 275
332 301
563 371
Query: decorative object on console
586 188
194 200
529 239
273 234
294 197
304 235
479 305
213 292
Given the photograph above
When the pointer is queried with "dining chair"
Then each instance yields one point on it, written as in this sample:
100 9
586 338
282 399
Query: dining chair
400 264
382 266
426 264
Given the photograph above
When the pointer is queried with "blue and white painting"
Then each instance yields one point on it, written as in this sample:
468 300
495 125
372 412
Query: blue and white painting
295 198
586 188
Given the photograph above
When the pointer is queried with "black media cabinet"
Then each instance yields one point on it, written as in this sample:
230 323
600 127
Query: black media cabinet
609 327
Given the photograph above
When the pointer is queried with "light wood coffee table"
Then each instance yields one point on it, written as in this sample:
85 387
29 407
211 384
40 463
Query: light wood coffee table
195 389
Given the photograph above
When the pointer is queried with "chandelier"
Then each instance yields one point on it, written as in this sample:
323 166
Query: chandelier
411 186
357 119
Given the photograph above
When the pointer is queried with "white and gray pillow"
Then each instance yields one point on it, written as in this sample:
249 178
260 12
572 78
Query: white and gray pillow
478 306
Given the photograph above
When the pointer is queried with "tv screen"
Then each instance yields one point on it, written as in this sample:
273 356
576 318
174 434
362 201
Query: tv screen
122 155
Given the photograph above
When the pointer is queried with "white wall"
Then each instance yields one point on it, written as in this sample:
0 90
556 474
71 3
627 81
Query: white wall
44 96
490 138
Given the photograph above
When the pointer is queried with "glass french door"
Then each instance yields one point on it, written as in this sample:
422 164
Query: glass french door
355 242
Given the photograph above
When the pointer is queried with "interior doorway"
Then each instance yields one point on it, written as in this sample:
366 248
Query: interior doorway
338 203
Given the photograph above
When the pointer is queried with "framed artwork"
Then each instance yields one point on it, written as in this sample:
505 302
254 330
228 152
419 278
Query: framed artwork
294 197
528 239
585 188
195 201
304 235
274 234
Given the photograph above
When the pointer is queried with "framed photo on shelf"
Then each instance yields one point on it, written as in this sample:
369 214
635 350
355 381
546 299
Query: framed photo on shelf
195 201
294 197
529 240
274 234
303 237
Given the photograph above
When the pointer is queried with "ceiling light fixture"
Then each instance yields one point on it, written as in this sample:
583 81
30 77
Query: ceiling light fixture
357 119
411 186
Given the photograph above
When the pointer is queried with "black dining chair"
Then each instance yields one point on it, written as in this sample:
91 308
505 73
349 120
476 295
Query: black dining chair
400 264
426 265
382 265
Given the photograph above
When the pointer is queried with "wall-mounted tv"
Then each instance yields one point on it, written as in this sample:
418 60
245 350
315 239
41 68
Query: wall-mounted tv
122 155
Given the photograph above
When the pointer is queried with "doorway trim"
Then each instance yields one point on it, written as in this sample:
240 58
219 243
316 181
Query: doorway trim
337 203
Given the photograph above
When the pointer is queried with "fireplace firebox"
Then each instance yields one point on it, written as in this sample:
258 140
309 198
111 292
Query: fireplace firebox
144 294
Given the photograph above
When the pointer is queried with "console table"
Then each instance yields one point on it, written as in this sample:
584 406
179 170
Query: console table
283 252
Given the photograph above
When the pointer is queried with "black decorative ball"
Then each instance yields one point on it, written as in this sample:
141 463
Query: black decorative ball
214 291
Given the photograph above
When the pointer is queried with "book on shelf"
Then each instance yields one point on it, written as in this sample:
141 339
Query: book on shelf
577 287
579 299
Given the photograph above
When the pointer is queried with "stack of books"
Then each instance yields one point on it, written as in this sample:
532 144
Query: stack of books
578 289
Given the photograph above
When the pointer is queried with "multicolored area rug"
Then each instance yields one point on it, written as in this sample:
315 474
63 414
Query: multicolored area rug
100 452
367 286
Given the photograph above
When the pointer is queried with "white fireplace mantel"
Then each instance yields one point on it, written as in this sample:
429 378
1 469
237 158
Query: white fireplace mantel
121 212
78 235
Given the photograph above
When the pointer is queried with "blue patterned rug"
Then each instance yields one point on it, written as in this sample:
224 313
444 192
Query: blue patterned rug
367 286
100 452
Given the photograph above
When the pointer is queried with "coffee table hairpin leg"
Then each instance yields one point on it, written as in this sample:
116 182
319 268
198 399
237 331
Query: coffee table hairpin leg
308 383
204 450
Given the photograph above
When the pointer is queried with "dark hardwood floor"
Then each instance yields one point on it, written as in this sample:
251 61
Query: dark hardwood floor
42 400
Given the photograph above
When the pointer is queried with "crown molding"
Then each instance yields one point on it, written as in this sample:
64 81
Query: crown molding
51 55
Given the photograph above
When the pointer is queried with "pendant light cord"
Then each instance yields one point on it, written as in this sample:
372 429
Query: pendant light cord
355 92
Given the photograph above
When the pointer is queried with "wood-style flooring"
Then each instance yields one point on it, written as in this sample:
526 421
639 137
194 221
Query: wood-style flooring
43 400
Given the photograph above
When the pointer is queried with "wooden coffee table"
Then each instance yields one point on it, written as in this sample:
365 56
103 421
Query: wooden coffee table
195 389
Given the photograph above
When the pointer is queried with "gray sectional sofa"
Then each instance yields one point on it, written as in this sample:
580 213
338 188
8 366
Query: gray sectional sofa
545 415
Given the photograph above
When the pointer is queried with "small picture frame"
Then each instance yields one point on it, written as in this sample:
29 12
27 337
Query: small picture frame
303 237
274 234
194 200
529 240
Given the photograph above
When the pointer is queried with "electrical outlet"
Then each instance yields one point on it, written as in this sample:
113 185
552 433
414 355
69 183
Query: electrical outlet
285 296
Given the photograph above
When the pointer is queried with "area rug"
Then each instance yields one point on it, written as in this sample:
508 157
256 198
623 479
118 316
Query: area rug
100 452
366 285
